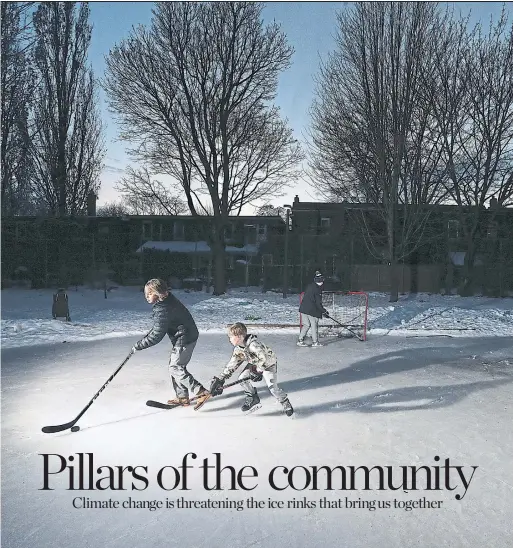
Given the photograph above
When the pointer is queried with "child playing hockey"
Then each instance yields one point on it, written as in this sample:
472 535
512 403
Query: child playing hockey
172 317
259 361
312 311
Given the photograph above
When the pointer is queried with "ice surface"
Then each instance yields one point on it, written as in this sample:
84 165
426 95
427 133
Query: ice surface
390 401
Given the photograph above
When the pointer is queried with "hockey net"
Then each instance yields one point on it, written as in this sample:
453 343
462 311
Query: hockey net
348 314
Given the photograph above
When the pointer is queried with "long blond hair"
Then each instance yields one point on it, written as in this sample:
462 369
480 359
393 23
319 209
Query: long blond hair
157 286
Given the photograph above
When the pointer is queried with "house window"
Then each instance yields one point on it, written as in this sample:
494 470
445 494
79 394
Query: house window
178 230
453 228
262 233
325 222
249 234
147 230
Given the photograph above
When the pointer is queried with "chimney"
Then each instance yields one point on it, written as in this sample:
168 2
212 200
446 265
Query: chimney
494 203
91 204
296 200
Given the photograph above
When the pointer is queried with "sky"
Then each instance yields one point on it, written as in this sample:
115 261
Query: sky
310 28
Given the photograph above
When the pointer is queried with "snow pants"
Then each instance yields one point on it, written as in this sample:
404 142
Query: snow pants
183 382
309 322
270 378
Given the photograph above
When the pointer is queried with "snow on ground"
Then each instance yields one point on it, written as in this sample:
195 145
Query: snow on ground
392 401
26 314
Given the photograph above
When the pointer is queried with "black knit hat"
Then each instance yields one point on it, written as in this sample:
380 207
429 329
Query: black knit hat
318 277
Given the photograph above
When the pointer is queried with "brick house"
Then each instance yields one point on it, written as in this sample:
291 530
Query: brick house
328 236
133 248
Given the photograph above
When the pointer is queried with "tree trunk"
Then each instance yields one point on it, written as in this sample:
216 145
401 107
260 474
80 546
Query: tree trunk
466 284
219 270
394 290
218 252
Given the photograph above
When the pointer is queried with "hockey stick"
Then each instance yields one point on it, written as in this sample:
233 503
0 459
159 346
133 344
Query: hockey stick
160 405
61 427
344 326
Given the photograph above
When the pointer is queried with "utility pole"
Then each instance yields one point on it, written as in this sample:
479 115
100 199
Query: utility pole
286 254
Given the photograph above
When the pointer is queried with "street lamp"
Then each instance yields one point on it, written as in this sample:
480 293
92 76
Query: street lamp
286 259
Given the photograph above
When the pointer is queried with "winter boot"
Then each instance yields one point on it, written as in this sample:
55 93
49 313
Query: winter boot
179 401
251 403
287 407
202 398
301 342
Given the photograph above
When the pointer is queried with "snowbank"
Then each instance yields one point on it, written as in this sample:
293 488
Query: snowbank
27 320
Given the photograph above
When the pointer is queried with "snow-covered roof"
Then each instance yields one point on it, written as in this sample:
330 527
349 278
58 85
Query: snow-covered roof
458 258
178 246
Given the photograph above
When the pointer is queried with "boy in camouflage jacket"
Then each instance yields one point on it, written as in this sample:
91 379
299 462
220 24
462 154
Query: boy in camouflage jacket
259 361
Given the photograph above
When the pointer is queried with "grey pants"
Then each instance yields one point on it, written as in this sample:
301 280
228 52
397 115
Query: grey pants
309 321
270 378
183 382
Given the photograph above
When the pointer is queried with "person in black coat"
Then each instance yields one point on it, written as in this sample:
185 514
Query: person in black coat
171 317
312 311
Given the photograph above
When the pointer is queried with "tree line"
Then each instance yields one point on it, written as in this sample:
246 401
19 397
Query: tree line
413 106
52 146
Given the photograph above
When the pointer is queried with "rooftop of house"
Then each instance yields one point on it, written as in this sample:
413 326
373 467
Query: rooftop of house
298 206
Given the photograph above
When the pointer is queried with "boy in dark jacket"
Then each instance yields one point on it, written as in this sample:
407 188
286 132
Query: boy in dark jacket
312 311
171 317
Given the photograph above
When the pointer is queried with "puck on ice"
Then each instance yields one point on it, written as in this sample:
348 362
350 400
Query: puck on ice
75 428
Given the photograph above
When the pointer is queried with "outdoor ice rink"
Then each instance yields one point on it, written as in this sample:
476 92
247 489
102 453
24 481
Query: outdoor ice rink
392 401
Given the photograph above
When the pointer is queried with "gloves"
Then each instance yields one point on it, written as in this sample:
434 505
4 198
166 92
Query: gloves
255 375
325 314
135 348
179 337
216 386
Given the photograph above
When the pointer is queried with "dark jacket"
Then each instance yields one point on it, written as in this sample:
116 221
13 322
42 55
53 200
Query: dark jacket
312 301
172 317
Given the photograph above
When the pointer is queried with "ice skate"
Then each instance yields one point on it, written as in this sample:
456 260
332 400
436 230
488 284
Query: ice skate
251 404
179 401
287 407
202 398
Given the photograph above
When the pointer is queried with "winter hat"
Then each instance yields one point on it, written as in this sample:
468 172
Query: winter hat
318 277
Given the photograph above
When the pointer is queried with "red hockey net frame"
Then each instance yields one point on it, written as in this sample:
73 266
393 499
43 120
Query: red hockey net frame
348 311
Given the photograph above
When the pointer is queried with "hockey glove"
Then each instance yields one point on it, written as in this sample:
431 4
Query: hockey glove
179 336
255 375
135 348
216 386
325 314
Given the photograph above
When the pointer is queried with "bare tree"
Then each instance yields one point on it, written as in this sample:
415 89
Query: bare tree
113 209
143 195
17 91
373 134
195 90
269 209
68 148
474 109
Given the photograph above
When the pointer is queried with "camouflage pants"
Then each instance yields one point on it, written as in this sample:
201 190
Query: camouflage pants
270 378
